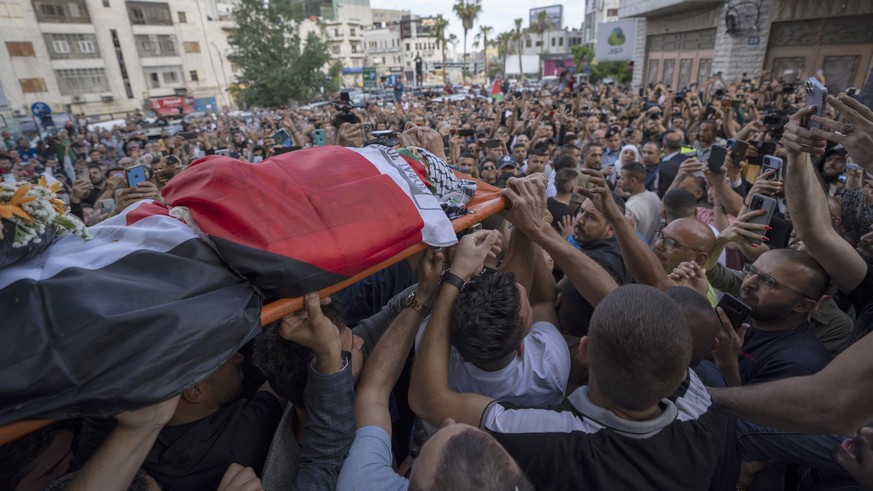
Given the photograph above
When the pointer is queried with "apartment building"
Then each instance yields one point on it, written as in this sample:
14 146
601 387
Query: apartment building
113 56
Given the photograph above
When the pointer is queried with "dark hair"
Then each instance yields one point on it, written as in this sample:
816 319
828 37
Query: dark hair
588 146
537 152
95 166
568 148
286 364
466 155
486 325
636 170
701 318
473 459
564 161
518 145
639 346
18 457
564 179
679 203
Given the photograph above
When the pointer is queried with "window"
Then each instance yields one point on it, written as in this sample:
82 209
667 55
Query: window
105 3
183 17
19 48
553 42
60 46
78 81
527 43
32 85
61 11
612 12
351 31
86 47
156 45
193 75
149 13
165 76
192 47
335 50
560 41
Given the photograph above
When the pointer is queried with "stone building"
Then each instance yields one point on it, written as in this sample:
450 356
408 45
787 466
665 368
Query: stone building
684 41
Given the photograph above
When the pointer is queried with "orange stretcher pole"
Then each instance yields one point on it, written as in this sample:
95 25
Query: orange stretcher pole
487 202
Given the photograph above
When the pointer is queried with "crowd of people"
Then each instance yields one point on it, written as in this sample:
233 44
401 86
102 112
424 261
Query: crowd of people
581 339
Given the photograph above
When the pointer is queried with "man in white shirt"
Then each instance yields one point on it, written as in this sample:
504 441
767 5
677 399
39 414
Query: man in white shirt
643 207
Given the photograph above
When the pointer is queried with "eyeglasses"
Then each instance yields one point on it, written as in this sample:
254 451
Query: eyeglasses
489 168
672 243
768 282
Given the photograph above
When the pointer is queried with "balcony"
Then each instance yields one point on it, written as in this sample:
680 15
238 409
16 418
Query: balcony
652 8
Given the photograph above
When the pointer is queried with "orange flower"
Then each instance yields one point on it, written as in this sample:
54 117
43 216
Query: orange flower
13 207
19 197
58 205
54 187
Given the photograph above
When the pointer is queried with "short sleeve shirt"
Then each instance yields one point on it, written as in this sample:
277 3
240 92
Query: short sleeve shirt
368 465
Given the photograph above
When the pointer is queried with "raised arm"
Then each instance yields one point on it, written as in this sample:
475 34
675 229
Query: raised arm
528 199
642 263
813 224
386 362
117 461
429 393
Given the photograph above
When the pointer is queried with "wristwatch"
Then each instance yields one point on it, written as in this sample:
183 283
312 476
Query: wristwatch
415 305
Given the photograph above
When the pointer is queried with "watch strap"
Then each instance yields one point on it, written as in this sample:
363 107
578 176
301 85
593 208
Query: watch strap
417 306
453 279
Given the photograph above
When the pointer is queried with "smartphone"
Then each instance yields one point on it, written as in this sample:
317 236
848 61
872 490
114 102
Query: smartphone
280 136
716 158
223 152
320 137
738 152
761 202
816 95
583 182
492 143
119 173
107 205
770 162
467 132
187 135
383 133
367 127
736 310
344 96
135 175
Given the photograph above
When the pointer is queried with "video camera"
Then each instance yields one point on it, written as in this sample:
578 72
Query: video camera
383 137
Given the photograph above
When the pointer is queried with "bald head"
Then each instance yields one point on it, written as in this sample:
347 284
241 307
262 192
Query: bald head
696 234
684 239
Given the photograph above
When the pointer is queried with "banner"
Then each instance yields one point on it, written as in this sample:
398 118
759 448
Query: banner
616 41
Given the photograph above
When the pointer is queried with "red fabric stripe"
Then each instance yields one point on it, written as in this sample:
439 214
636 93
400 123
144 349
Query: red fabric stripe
328 207
145 210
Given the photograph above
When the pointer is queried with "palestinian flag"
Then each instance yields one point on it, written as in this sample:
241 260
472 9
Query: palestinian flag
128 318
304 220
496 92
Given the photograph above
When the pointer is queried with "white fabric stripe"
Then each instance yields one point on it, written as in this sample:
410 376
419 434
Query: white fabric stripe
112 240
500 419
695 402
437 229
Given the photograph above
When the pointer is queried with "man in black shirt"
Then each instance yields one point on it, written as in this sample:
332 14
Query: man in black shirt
594 235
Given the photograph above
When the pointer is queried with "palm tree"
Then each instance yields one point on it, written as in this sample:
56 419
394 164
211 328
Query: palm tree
467 13
504 47
483 33
439 28
539 27
517 36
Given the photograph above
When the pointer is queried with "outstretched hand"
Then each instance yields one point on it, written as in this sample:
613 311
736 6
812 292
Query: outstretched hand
797 139
856 134
470 257
527 204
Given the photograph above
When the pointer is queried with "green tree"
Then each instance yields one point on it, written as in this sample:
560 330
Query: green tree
276 65
539 27
467 12
519 35
483 33
504 47
439 29
616 70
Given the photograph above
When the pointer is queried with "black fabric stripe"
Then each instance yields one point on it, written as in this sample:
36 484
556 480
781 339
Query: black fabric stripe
95 342
275 275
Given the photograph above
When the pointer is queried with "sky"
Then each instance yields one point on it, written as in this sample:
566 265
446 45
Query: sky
498 14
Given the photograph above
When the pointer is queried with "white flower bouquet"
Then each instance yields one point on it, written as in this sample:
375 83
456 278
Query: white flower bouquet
32 217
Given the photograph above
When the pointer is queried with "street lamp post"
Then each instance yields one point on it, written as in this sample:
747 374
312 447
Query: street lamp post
223 74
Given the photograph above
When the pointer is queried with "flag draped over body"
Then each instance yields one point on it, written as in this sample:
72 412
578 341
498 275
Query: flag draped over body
152 304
